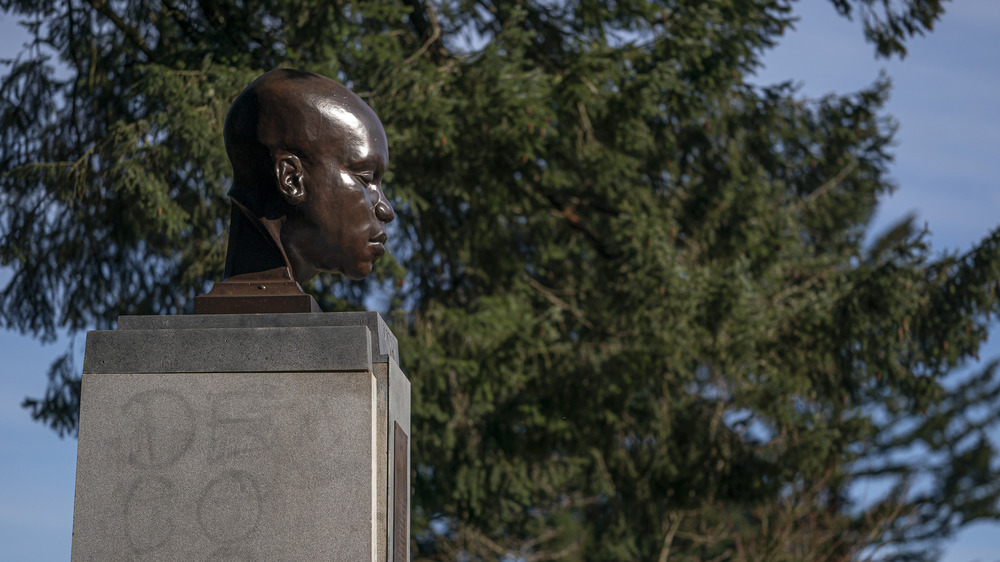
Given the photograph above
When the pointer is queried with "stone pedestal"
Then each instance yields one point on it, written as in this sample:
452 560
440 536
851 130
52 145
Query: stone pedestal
243 437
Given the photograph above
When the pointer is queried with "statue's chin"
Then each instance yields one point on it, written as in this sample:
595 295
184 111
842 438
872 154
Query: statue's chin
355 272
359 272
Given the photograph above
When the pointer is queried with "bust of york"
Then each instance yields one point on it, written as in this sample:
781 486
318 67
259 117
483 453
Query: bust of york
308 158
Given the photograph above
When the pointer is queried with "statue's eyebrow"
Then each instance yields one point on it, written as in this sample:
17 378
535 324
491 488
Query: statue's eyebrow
371 162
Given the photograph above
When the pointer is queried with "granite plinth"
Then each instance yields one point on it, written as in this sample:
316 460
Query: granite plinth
383 341
218 441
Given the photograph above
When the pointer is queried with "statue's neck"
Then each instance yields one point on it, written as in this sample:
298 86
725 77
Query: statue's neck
252 249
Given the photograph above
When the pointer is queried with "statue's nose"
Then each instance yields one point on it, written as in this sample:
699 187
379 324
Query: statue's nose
383 210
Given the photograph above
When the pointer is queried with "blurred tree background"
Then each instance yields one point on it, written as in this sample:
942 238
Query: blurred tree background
631 290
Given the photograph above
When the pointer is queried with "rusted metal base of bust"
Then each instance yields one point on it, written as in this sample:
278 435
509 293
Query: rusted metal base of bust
256 293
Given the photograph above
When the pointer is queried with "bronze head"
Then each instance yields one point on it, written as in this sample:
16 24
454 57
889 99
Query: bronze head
308 158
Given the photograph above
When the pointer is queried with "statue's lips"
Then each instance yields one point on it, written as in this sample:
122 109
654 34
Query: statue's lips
378 244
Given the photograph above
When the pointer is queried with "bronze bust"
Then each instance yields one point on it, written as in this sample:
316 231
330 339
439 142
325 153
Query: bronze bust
308 158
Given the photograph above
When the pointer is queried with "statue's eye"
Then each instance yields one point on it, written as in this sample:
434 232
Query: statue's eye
366 178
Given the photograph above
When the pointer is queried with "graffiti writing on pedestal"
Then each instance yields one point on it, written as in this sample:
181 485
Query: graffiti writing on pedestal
161 433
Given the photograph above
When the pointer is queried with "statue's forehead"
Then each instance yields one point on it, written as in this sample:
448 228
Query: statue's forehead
356 124
337 113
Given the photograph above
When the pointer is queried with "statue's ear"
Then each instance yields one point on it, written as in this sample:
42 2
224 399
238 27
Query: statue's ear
288 171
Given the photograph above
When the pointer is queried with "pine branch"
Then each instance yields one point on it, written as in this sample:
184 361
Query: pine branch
130 32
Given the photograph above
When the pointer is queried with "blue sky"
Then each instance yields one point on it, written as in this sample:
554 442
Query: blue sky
945 98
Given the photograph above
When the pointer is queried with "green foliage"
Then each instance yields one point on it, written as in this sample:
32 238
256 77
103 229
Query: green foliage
630 288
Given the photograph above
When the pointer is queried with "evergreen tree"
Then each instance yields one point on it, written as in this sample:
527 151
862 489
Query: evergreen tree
631 289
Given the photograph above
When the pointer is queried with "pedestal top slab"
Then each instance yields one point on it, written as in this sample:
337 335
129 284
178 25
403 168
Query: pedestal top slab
383 341
229 350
